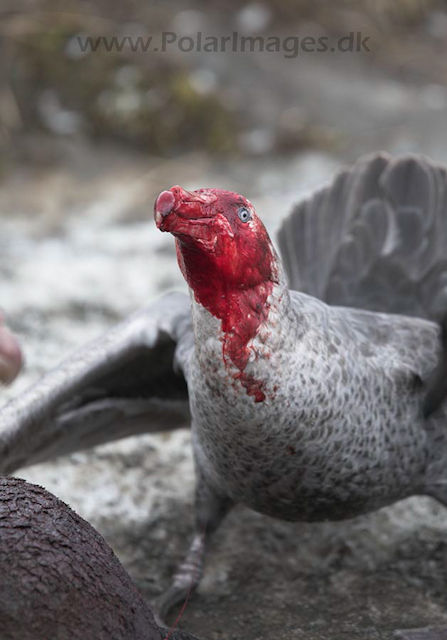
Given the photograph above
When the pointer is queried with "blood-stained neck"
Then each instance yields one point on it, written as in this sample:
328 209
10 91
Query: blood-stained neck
231 267
248 314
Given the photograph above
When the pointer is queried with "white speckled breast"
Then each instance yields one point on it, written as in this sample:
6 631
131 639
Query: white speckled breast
335 436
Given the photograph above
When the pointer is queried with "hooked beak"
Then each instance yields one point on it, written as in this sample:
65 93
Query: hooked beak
189 214
190 205
10 355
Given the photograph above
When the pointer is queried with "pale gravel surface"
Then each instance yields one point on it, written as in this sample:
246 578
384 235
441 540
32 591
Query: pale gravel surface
79 256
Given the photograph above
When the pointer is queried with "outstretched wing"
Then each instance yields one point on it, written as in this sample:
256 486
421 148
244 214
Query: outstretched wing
376 238
131 380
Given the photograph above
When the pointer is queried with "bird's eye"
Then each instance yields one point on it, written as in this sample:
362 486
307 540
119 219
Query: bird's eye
244 214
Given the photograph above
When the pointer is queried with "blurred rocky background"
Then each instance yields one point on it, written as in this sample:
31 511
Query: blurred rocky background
87 140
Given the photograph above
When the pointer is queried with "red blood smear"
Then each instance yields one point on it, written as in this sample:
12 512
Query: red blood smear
233 283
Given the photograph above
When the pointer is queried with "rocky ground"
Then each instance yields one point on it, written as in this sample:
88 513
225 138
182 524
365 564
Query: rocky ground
78 251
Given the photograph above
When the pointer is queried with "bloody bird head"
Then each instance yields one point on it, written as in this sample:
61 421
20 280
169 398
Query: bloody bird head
220 239
226 257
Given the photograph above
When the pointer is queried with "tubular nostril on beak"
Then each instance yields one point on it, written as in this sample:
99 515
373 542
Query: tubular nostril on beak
165 203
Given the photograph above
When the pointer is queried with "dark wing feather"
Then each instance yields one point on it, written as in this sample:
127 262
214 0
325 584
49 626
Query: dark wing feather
131 380
311 236
376 238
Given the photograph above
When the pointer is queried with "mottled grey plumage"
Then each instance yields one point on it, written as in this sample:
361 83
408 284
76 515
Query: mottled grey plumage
352 418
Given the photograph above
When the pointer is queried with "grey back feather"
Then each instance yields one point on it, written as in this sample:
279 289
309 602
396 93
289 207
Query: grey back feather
375 238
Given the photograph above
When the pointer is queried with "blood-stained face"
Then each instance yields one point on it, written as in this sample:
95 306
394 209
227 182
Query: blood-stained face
221 241
227 258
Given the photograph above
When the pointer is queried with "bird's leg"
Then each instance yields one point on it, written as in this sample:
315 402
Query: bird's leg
210 510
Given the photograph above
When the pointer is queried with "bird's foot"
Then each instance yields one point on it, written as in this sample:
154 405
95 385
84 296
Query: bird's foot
185 580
